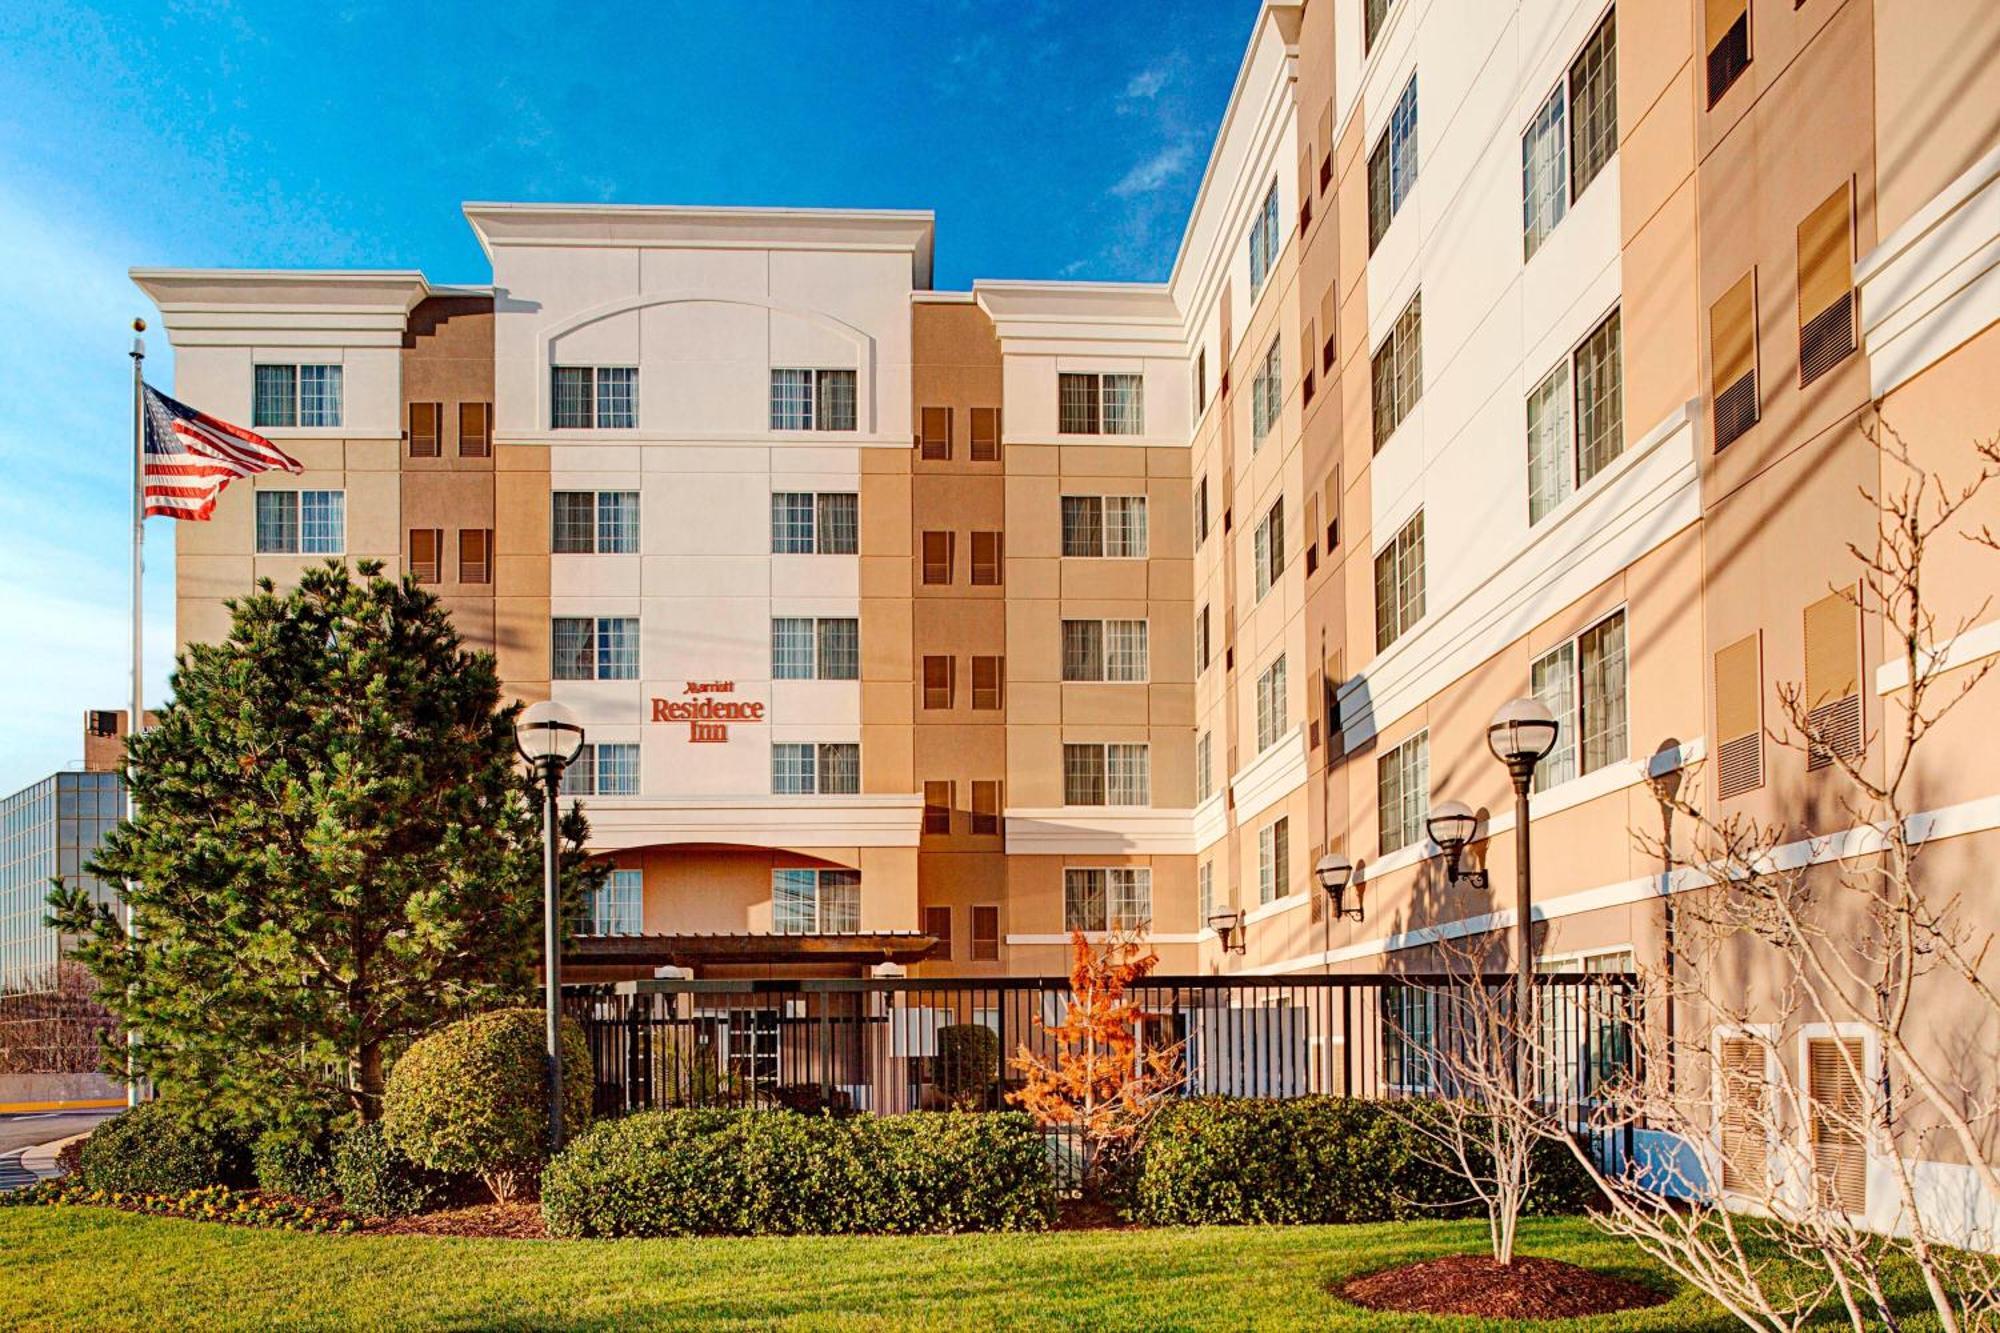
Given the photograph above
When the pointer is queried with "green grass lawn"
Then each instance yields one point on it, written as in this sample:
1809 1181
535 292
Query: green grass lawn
93 1268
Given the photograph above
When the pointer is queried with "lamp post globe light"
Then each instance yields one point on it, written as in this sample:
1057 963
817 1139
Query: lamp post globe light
1521 735
549 738
1451 825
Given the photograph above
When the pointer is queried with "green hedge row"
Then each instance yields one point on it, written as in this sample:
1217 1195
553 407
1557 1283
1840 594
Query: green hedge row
701 1172
1313 1159
159 1148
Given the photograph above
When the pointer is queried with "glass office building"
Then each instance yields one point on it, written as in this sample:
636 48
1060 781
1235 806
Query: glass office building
48 831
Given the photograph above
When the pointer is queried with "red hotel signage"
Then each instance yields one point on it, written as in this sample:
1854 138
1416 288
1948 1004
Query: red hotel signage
708 717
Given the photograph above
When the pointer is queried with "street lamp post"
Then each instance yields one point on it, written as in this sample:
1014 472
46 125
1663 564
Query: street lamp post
548 737
1521 735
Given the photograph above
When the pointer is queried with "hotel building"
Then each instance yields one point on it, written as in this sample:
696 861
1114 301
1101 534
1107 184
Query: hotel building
1510 348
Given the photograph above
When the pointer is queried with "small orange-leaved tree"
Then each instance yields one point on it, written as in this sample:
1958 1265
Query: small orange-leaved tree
1104 1078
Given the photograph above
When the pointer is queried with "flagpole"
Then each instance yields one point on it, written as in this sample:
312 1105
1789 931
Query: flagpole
137 723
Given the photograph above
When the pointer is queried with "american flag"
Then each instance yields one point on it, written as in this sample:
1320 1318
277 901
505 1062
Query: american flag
191 456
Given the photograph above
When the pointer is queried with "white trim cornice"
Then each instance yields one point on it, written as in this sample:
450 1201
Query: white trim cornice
1934 282
1090 830
1974 645
621 823
1271 776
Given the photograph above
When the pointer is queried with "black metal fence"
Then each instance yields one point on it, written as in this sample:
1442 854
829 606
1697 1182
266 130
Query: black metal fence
887 1046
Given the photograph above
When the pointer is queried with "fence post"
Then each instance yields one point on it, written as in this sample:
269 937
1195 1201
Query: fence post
1347 1041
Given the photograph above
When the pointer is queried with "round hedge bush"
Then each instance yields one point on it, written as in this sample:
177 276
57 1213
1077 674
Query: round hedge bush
472 1098
374 1179
294 1161
159 1148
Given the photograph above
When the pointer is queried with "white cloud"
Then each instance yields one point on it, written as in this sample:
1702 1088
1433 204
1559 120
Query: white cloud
1146 84
1148 175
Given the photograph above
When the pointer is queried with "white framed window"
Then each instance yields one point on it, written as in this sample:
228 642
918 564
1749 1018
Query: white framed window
815 902
1096 773
1576 419
303 395
1204 897
815 523
604 769
1274 860
1396 372
594 522
1403 792
812 399
1100 404
1409 1038
1264 243
1267 546
1204 767
596 647
1583 682
805 648
1399 583
1272 721
1104 650
1111 526
1544 173
828 768
593 397
301 522
615 907
1267 394
1392 165
1574 133
1116 898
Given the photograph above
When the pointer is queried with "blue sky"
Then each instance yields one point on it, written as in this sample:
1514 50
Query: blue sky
1051 139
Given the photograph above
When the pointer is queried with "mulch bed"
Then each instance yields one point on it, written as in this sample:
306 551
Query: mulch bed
1471 1284
505 1221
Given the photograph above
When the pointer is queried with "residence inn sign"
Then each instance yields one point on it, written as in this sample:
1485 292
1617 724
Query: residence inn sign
707 717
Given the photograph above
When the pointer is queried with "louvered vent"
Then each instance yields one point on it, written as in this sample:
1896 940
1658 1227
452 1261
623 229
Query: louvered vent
1735 410
1838 725
1839 1150
1745 1149
1728 58
1833 678
1739 723
1826 339
1739 765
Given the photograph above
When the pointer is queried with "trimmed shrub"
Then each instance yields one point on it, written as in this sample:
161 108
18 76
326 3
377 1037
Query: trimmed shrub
1313 1159
968 1064
375 1179
692 1172
159 1148
472 1098
294 1161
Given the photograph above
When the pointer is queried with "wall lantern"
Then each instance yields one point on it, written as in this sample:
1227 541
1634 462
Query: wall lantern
1451 826
1335 873
1228 927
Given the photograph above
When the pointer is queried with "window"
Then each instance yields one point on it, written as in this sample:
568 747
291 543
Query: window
985 934
1200 383
807 769
301 522
475 555
1100 404
1544 174
1329 317
1593 103
1201 640
1837 1121
934 434
1744 1114
1409 1042
803 648
812 400
1402 789
1204 768
1104 525
939 798
805 523
986 559
985 808
1268 546
1104 650
1105 900
296 395
1392 165
816 902
599 522
1728 25
1833 677
1826 285
937 925
1398 371
603 770
1264 241
1200 511
1204 893
1097 774
615 907
1267 396
424 546
1271 715
1373 12
475 430
600 397
1732 354
985 434
988 683
1583 684
940 678
1274 860
426 421
1399 583
939 548
1561 459
1739 717
599 648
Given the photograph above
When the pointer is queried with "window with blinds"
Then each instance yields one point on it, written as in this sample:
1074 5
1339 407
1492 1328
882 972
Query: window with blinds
934 433
1268 547
475 555
1274 857
1267 396
1593 105
940 679
1740 1111
1833 678
1399 583
989 676
1826 285
1583 683
986 559
1397 371
1327 330
1732 352
1739 718
475 430
1402 792
1104 650
937 925
939 797
939 550
1272 718
985 807
425 427
425 545
1392 165
1200 511
1837 1111
1544 173
1110 404
1728 32
1264 241
985 434
985 933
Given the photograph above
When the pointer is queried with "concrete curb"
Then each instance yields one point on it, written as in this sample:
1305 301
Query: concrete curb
41 1159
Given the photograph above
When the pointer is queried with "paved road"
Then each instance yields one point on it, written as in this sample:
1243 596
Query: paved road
19 1132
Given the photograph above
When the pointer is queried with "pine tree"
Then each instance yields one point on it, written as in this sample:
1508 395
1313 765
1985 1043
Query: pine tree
336 849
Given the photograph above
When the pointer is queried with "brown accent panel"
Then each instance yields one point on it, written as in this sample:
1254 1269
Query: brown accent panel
1837 1107
1826 247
